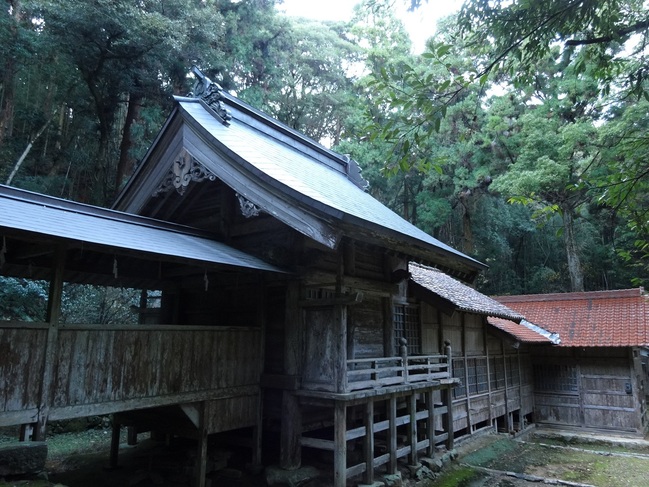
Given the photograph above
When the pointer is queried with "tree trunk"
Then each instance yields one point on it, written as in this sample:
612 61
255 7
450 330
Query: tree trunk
126 163
8 81
572 255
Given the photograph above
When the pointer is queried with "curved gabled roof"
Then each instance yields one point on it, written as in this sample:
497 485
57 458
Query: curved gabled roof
312 189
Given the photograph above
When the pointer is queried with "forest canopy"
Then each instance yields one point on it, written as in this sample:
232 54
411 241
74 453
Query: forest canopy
519 135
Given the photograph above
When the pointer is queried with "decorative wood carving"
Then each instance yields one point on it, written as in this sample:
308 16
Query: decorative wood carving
248 208
212 94
184 170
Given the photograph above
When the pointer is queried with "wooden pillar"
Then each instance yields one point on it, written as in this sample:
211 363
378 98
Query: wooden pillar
291 431
131 435
508 413
340 444
368 444
201 454
412 428
489 373
340 358
448 393
114 444
53 318
257 432
430 423
392 434
467 399
26 432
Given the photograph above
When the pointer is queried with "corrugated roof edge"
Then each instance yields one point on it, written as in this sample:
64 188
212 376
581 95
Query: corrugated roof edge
97 211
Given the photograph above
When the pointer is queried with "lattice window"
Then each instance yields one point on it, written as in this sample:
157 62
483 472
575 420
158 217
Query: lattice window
556 378
320 293
478 379
406 325
459 391
513 372
497 371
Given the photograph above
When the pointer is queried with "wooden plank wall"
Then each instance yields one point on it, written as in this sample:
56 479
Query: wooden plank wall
497 383
101 369
592 388
22 353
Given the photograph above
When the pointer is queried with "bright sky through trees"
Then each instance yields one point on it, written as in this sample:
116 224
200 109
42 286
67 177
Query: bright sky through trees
420 23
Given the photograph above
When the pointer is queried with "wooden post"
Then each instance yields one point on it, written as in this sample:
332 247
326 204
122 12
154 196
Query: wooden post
430 423
368 444
489 373
412 428
449 417
403 349
114 444
290 454
392 434
291 431
449 357
340 444
201 456
508 415
467 398
26 432
449 398
131 435
257 432
53 317
340 359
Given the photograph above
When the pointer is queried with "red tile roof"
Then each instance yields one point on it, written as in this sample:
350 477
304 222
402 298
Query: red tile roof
521 332
588 319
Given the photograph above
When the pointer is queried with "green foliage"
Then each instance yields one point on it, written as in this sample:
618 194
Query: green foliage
22 299
519 34
86 304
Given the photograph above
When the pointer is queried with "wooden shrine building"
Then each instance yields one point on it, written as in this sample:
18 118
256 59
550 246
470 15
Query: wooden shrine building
288 305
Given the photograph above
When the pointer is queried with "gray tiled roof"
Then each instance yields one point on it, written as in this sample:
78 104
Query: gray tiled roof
34 213
465 298
314 175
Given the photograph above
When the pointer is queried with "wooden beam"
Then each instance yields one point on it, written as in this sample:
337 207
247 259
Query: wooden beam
343 300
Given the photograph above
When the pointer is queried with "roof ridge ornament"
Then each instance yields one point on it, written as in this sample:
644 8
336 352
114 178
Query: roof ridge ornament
212 94
184 170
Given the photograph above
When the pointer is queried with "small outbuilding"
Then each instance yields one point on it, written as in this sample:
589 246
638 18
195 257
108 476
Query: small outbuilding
596 376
